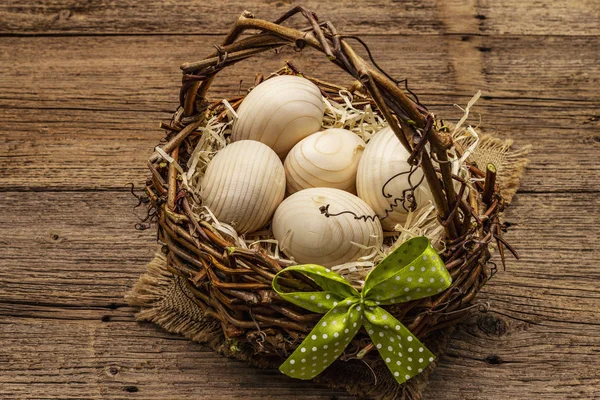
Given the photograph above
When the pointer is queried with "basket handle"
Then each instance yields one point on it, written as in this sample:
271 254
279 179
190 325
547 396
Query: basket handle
411 122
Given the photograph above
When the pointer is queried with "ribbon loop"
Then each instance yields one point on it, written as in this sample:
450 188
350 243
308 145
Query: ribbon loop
335 288
412 271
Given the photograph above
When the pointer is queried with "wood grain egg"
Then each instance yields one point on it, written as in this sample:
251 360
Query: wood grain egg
324 159
309 236
280 112
383 158
243 185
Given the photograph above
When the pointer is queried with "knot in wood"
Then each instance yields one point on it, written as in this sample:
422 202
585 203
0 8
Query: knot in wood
492 325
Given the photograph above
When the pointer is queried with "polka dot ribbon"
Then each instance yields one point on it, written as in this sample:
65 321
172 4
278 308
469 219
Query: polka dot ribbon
411 272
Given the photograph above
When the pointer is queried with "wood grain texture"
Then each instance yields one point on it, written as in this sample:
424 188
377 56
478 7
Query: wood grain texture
64 324
82 89
83 113
105 354
562 17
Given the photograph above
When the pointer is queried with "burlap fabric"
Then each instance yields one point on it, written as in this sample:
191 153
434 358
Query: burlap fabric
165 300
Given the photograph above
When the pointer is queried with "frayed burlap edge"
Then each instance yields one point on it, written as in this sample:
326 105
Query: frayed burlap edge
164 299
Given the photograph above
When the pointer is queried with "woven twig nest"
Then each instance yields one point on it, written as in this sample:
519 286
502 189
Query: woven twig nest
232 284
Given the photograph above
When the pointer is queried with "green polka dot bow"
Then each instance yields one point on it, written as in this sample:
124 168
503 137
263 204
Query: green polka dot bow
411 272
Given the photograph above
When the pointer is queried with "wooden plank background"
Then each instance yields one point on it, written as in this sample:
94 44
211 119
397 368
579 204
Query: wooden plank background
83 86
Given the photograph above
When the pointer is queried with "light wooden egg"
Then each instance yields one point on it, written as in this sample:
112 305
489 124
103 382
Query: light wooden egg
324 159
280 112
243 185
383 158
309 236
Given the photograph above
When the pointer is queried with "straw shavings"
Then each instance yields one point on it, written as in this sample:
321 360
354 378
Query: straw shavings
212 139
363 122
466 112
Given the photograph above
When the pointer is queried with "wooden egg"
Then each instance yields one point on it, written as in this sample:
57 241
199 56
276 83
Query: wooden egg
243 185
384 158
324 159
280 112
309 236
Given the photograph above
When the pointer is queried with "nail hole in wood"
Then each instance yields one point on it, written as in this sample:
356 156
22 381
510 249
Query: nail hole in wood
493 359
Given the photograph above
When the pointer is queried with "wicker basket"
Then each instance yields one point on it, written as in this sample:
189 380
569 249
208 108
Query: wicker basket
234 288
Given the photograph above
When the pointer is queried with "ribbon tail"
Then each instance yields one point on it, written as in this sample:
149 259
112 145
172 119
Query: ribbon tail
404 355
324 344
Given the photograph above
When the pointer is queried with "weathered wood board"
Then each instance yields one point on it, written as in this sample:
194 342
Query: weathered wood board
83 87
